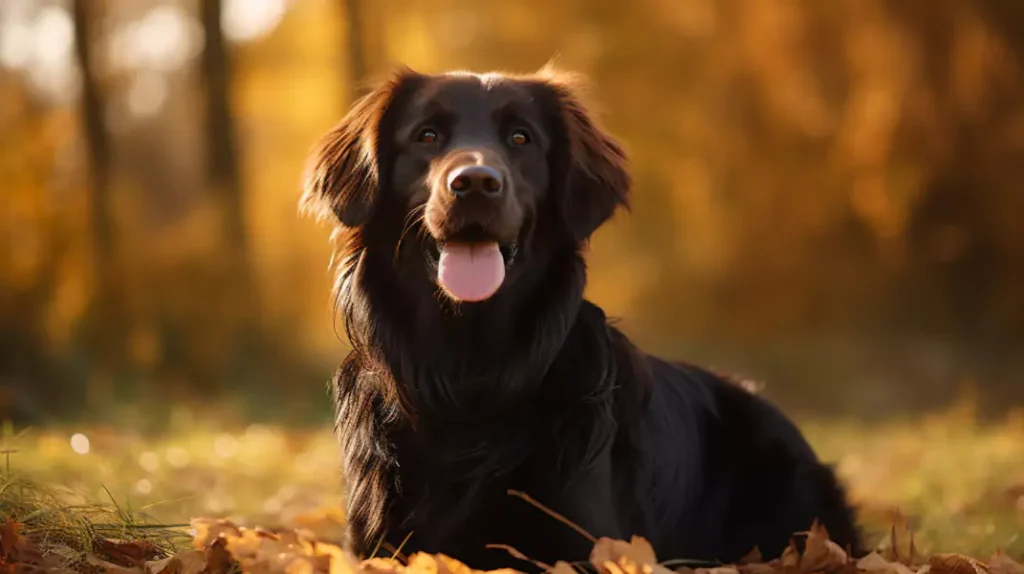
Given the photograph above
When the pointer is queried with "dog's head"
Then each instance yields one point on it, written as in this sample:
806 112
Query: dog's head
484 172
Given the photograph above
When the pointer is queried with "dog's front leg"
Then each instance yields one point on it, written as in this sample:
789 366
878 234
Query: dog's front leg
561 523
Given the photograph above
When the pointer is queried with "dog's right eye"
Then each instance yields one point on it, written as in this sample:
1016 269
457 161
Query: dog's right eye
427 136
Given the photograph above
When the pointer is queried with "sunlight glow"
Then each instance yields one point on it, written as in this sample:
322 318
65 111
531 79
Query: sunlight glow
177 457
247 20
16 29
150 461
165 39
15 44
54 36
41 46
144 486
225 446
80 443
147 94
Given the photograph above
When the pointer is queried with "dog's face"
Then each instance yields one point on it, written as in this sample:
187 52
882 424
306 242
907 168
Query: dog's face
483 170
471 153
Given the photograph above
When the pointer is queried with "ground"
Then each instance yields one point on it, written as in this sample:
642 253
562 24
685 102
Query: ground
954 479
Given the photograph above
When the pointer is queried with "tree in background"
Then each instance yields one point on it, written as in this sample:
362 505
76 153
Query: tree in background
106 325
355 47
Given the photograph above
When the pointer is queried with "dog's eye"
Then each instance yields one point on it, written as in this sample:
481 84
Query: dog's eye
520 137
427 136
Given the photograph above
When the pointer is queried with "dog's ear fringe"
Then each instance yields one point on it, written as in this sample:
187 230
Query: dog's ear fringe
600 181
340 176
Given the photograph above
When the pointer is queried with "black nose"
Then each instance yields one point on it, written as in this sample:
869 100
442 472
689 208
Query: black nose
475 178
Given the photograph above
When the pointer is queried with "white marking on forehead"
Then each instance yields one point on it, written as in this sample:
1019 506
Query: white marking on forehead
490 80
487 81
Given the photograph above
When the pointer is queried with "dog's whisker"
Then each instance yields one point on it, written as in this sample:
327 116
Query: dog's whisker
412 219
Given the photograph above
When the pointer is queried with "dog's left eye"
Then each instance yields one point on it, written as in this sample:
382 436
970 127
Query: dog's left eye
427 136
520 137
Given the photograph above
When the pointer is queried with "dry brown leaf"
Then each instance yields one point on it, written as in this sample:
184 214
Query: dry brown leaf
108 567
381 566
757 568
513 552
208 530
956 564
717 570
34 569
563 568
874 563
185 562
1000 563
128 553
752 557
218 559
258 551
790 559
621 557
169 565
820 553
422 563
899 568
12 544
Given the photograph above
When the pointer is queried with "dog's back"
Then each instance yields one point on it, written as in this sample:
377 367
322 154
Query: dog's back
731 471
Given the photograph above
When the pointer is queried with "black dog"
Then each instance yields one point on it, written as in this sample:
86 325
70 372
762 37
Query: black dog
466 202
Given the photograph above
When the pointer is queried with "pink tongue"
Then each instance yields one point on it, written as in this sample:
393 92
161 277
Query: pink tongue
471 271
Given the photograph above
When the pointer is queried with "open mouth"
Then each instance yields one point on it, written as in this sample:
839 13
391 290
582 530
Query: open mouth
470 264
471 235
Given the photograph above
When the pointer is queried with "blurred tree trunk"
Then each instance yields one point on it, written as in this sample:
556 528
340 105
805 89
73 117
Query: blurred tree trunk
222 150
106 324
356 48
96 136
1008 20
224 177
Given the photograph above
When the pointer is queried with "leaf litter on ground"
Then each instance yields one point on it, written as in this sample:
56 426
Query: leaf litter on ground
42 529
220 546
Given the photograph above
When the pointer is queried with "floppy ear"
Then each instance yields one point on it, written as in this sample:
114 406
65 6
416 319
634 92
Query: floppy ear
596 179
343 172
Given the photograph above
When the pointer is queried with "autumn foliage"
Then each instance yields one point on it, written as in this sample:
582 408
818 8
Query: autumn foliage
221 547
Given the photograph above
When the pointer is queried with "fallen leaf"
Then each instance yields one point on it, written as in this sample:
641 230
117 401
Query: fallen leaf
520 556
129 553
873 563
10 540
110 568
441 564
621 557
185 562
790 559
218 559
563 568
169 565
380 566
1000 563
757 568
752 557
208 530
820 553
956 564
717 570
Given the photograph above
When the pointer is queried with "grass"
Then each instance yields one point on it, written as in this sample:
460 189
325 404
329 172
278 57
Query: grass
955 479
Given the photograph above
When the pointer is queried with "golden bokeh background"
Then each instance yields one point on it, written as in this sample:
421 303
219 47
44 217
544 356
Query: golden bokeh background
829 194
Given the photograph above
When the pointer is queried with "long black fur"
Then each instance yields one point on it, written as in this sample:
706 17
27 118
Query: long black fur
442 408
